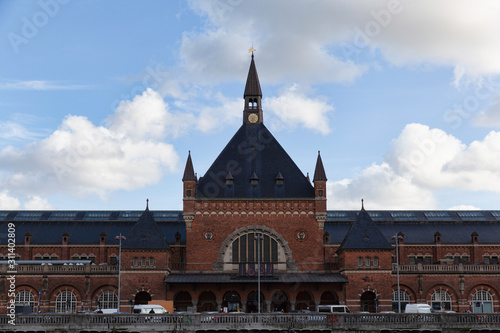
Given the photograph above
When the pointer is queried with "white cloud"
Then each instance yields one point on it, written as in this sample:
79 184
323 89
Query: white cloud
38 85
464 207
324 41
10 130
8 202
421 161
292 108
490 116
80 158
37 203
381 188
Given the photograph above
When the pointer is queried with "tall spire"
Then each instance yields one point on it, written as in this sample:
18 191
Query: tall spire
319 172
252 87
189 170
252 113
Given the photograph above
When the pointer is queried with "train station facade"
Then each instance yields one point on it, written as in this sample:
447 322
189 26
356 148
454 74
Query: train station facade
254 235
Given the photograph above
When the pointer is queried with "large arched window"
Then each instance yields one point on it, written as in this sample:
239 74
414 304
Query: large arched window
245 248
66 302
108 300
441 300
400 301
25 298
482 302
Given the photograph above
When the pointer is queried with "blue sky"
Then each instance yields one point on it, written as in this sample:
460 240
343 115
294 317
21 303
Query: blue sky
102 100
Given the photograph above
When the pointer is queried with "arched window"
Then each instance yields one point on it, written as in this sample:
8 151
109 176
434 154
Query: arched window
108 300
245 249
482 302
25 298
441 300
66 302
403 299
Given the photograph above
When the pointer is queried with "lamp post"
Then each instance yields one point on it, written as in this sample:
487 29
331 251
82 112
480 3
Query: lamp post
120 237
258 237
397 237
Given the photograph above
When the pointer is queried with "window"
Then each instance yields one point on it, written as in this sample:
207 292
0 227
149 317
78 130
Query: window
25 298
245 249
375 261
367 261
482 302
135 262
412 260
66 302
113 260
108 300
456 260
420 260
465 259
441 300
360 261
151 261
486 260
403 299
143 261
494 260
427 260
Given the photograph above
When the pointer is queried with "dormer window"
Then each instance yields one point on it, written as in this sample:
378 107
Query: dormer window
279 179
229 179
254 180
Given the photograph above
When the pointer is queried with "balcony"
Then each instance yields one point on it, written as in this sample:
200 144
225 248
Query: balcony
451 269
59 269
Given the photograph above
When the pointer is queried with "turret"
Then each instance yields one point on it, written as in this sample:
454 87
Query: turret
319 181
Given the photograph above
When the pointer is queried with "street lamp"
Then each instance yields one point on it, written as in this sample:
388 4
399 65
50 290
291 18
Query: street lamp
258 237
120 237
397 237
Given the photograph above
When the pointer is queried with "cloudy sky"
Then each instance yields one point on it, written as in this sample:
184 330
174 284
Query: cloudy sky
102 100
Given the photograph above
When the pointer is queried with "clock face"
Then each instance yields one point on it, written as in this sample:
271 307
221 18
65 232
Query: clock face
253 117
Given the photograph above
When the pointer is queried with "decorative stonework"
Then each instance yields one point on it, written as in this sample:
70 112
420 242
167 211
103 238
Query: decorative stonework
301 234
208 235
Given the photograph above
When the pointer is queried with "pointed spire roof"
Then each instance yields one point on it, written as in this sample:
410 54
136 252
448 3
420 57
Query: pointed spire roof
145 234
364 235
189 170
319 172
252 87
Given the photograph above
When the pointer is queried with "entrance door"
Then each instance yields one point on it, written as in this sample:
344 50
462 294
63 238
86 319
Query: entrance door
368 301
142 298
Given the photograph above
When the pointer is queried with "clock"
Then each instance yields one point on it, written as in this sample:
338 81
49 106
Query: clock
253 117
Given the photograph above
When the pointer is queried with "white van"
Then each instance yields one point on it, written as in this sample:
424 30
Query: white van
418 308
106 311
333 308
149 308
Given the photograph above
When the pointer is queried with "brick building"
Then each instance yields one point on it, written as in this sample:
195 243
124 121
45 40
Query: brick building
254 222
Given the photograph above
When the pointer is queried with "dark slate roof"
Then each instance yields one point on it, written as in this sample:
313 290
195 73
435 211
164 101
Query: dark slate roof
278 278
189 170
419 227
253 149
252 87
145 234
85 227
364 234
319 171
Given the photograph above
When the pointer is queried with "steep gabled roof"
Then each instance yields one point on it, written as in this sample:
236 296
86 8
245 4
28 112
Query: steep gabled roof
364 235
145 234
253 149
